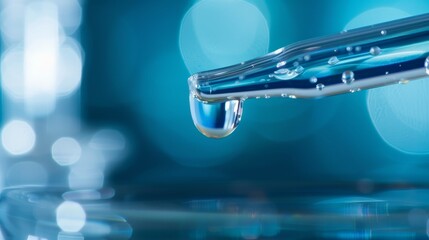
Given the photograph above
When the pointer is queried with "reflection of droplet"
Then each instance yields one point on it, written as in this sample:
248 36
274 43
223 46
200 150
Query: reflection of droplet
320 86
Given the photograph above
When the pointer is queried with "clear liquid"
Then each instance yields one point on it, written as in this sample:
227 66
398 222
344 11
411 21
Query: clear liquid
365 58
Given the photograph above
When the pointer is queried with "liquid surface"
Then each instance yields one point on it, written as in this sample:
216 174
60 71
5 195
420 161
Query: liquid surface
365 58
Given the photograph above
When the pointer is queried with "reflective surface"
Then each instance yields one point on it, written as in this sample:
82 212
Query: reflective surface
391 212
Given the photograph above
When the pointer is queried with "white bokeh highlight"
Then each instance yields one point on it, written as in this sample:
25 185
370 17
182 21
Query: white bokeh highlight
66 151
71 216
18 137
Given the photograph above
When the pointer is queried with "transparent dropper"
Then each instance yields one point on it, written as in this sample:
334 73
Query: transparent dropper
368 57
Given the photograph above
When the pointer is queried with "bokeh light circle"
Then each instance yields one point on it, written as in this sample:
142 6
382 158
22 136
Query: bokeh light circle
66 151
12 73
71 216
399 113
217 33
18 137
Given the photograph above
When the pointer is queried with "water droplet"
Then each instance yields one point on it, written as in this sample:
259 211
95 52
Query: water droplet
358 48
216 120
267 96
383 32
353 90
320 86
375 51
348 77
313 79
349 48
284 95
307 57
281 64
241 77
333 60
292 96
387 73
285 74
296 64
299 69
271 75
427 65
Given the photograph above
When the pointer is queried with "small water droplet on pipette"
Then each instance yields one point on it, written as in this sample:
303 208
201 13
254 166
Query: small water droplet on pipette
427 65
387 73
299 69
313 79
383 32
348 77
307 57
375 51
284 95
320 86
358 48
281 64
292 96
333 60
349 48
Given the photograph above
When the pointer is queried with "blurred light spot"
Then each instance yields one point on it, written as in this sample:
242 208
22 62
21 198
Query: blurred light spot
66 151
12 73
217 33
71 15
69 236
12 22
375 16
18 137
417 217
31 237
69 71
86 179
41 46
400 113
26 173
108 140
71 217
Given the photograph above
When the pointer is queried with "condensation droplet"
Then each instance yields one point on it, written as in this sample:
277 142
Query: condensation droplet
348 77
313 79
374 51
320 86
333 60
